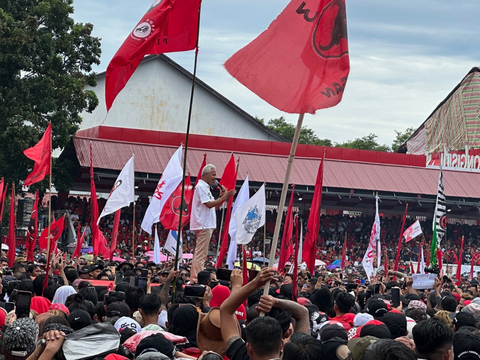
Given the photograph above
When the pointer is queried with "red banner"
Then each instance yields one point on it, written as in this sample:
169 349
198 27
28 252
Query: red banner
32 230
41 154
170 215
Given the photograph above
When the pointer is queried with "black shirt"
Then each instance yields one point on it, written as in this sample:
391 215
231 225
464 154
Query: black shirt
238 350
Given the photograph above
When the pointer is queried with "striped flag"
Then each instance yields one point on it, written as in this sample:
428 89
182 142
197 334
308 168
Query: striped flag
439 221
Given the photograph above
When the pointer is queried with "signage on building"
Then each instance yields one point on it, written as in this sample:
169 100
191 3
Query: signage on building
463 160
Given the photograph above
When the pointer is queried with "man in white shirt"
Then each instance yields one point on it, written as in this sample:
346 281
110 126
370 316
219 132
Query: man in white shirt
203 218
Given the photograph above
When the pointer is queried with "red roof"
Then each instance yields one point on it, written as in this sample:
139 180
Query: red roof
270 168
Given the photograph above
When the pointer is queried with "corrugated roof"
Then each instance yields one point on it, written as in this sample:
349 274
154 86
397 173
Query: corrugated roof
271 169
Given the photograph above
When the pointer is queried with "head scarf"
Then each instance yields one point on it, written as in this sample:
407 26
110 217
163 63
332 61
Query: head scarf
62 293
40 304
184 323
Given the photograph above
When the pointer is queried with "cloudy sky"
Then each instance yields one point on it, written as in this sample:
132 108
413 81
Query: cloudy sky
406 56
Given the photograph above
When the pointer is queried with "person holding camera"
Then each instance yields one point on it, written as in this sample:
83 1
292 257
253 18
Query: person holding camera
203 218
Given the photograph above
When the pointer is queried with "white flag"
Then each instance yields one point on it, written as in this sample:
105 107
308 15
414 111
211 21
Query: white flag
156 249
123 191
242 198
372 245
250 217
171 177
171 244
422 261
413 231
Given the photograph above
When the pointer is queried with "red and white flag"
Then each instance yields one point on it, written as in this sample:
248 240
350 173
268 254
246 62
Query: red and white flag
413 231
41 154
303 55
171 177
170 216
372 245
168 26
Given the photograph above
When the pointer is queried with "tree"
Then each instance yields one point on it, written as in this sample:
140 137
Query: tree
287 130
45 63
401 138
368 142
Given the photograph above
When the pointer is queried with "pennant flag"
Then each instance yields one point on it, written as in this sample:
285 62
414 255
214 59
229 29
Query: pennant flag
250 217
2 200
171 244
168 26
170 215
40 154
242 197
372 245
11 230
413 231
80 239
114 235
32 230
94 208
439 221
228 180
422 261
295 264
286 247
156 248
303 55
56 229
313 224
123 191
171 177
459 263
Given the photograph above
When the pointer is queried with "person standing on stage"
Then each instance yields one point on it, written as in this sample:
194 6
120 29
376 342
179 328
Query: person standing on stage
203 218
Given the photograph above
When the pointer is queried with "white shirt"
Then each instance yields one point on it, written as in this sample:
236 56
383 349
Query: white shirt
202 217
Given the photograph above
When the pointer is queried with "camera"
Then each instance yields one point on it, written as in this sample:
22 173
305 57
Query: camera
434 269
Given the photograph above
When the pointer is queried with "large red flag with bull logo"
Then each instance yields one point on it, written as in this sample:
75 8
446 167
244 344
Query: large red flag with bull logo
170 215
168 26
300 63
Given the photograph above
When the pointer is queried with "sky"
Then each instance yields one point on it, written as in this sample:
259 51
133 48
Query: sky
405 56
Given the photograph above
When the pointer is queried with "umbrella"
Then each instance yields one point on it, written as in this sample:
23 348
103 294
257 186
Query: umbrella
337 262
116 258
319 263
333 266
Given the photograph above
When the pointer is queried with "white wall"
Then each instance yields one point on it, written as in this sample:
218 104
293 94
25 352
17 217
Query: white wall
157 98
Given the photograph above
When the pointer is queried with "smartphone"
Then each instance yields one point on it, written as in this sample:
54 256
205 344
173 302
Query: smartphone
144 273
9 306
223 274
195 291
22 303
55 281
445 279
395 297
142 283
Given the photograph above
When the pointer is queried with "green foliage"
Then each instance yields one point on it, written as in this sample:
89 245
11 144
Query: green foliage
401 137
287 130
368 142
45 62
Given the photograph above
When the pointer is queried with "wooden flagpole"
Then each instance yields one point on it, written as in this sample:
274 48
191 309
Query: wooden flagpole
264 240
49 240
189 120
283 196
133 232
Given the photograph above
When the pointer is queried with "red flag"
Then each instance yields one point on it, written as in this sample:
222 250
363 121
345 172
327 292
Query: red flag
170 214
399 247
32 230
439 259
313 225
168 26
78 249
286 249
295 264
113 240
103 249
11 230
411 268
41 154
228 180
459 264
2 200
244 266
303 55
93 207
419 257
427 260
344 252
56 229
386 262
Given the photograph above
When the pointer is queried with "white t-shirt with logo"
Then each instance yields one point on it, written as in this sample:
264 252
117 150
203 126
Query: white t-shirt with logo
202 217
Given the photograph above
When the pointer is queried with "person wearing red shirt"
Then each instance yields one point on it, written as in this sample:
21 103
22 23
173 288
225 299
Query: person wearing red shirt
343 304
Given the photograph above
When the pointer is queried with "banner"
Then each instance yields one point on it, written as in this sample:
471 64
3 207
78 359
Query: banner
40 154
439 221
413 231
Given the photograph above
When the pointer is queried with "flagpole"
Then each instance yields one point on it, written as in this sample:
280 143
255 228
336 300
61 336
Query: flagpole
283 196
217 252
133 232
182 198
45 282
264 240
